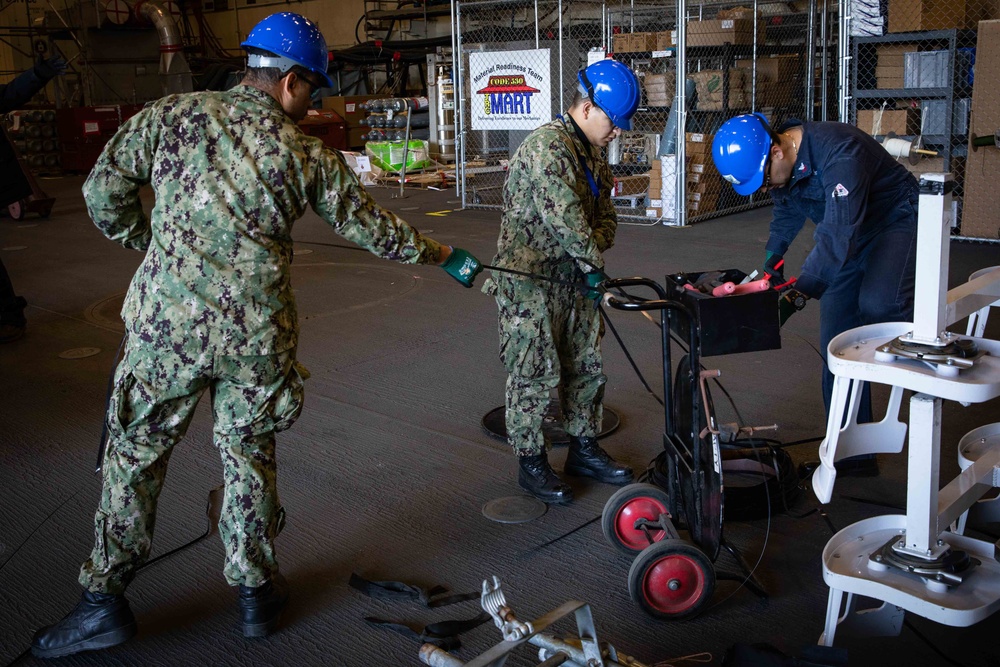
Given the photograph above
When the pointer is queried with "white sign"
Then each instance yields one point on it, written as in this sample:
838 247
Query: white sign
510 90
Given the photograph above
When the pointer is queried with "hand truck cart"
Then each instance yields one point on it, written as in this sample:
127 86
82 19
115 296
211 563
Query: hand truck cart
670 577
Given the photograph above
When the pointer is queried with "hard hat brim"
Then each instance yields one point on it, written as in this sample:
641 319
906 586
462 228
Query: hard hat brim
751 186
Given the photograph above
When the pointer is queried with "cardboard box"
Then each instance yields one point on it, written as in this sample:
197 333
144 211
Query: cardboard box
666 40
708 84
888 77
719 32
902 122
778 79
328 126
349 107
982 196
913 15
633 42
698 147
626 186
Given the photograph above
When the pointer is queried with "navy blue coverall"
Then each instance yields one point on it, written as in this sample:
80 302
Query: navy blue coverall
864 206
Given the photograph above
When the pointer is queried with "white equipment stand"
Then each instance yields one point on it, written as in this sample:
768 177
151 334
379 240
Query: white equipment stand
913 562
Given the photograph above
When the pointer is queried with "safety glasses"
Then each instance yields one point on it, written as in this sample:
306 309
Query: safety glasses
314 87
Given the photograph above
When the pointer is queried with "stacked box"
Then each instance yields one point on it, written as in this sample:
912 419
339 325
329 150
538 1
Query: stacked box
660 89
913 15
349 108
633 42
708 84
982 196
878 122
889 59
719 32
776 77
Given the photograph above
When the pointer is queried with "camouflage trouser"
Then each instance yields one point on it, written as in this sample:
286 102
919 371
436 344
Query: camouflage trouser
548 343
154 397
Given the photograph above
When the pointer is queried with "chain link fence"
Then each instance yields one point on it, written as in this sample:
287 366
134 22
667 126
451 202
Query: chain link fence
922 76
733 64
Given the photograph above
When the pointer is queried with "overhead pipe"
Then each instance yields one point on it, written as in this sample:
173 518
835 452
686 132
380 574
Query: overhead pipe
174 69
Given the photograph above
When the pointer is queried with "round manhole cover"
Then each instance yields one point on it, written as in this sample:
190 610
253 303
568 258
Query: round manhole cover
106 313
514 509
79 352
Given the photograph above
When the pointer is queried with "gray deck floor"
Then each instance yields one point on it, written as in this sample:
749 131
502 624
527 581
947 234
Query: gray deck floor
387 470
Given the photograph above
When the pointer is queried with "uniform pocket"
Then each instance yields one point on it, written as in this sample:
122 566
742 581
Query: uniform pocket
288 401
120 410
524 337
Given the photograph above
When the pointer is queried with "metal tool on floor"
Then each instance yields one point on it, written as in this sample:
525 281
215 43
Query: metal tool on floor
580 650
673 578
921 561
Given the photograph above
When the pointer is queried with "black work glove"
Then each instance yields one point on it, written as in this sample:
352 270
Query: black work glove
50 68
774 268
790 302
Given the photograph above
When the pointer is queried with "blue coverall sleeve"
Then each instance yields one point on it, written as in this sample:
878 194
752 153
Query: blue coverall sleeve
785 226
846 184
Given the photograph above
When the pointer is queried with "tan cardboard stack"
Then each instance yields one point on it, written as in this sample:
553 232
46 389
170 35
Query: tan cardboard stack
660 89
913 15
719 32
778 79
889 59
633 42
708 84
704 184
981 209
349 108
879 122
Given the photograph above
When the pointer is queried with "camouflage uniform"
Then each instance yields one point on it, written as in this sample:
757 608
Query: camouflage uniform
554 225
211 307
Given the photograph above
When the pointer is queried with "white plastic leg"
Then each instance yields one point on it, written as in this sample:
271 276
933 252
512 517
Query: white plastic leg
977 320
833 614
882 437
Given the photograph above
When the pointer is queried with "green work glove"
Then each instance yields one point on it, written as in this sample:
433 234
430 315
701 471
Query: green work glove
462 266
774 268
790 302
594 280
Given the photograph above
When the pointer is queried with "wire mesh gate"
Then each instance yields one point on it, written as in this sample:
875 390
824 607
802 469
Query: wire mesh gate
925 75
732 63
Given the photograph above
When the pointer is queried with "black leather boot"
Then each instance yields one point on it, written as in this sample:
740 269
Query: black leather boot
587 459
260 607
538 478
98 621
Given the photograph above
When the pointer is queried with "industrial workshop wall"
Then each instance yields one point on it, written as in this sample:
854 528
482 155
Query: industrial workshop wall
512 54
923 76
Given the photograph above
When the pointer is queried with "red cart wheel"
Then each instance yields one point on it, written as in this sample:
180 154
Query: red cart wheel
16 209
672 579
625 507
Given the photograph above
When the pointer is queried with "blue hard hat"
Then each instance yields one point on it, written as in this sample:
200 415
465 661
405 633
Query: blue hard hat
614 88
740 150
293 39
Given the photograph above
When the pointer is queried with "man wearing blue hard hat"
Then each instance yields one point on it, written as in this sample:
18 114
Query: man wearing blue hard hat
558 219
864 207
211 308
